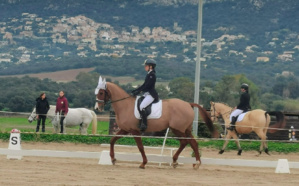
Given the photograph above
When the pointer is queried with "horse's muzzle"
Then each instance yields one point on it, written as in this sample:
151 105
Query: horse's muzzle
100 101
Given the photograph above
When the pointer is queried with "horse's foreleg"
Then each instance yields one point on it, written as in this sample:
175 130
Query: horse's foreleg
227 137
56 129
235 136
183 143
112 142
141 149
194 146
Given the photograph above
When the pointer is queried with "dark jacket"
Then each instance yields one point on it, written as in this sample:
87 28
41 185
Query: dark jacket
149 85
42 106
244 102
62 105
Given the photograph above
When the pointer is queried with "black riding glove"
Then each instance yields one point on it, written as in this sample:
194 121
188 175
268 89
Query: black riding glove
135 93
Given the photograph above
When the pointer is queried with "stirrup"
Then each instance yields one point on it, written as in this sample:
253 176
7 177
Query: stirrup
231 128
143 127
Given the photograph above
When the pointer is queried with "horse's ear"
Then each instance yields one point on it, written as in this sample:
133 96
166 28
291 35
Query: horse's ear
211 102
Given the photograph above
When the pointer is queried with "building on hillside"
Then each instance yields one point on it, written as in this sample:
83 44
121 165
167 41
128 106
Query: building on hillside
262 59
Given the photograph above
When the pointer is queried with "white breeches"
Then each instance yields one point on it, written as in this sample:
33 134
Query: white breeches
235 113
148 99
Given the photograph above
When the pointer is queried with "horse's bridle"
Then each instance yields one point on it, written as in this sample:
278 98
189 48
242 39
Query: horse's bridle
214 110
105 101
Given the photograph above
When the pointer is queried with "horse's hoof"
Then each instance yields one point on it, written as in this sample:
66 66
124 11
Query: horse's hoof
175 164
240 152
196 166
260 152
142 166
267 151
221 152
113 161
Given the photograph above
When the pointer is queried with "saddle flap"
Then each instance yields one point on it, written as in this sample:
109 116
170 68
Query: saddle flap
153 111
241 116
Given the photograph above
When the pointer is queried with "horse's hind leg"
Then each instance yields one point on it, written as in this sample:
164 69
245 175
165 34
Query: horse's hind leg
183 143
112 142
194 146
83 128
265 142
263 137
141 148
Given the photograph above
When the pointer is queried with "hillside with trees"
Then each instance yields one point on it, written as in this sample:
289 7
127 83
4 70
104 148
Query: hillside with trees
255 38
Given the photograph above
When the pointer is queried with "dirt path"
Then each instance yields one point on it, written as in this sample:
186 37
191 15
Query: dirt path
67 171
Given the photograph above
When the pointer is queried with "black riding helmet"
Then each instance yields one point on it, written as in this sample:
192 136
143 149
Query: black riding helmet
245 86
150 62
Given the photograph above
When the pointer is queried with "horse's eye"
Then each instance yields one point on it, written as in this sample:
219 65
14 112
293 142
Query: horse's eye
101 93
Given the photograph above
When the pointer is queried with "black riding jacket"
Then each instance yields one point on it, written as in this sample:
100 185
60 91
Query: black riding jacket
244 102
149 85
42 106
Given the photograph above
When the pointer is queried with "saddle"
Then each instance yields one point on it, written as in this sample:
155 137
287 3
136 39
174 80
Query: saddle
148 109
241 116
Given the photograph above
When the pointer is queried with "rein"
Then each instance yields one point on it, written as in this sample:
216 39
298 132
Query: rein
120 99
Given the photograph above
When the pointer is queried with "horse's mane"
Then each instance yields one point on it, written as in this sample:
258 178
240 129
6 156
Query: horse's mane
113 84
223 104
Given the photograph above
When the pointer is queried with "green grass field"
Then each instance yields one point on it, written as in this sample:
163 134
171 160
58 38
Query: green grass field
8 123
21 123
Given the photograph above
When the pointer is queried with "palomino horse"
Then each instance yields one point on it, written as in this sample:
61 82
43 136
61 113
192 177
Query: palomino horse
178 115
75 117
254 121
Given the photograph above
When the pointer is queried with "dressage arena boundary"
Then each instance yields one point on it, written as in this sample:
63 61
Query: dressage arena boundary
137 157
113 117
14 151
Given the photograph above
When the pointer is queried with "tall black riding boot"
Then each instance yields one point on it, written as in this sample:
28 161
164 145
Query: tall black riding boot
232 124
143 125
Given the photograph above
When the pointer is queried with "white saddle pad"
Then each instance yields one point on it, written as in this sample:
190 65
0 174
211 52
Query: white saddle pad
241 116
156 110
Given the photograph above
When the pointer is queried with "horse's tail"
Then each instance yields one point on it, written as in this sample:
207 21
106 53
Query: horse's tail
94 122
280 121
207 119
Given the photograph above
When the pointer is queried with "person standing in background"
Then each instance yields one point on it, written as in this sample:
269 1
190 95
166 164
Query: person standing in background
42 107
61 108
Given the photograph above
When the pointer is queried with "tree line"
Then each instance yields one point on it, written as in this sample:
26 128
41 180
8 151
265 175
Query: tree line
19 94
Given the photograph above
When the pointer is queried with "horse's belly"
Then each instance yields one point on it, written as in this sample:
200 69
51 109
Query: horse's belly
72 121
242 128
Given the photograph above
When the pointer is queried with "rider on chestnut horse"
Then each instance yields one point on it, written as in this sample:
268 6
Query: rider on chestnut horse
148 88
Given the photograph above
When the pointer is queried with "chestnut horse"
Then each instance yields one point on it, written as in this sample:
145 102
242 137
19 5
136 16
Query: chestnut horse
254 121
178 115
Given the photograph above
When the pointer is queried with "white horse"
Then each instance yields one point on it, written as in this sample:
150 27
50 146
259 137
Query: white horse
74 117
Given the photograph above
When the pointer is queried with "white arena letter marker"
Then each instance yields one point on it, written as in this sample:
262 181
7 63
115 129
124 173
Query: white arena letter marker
14 143
282 166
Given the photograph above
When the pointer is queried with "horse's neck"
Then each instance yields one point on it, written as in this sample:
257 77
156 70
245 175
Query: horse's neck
224 110
51 112
115 91
116 95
